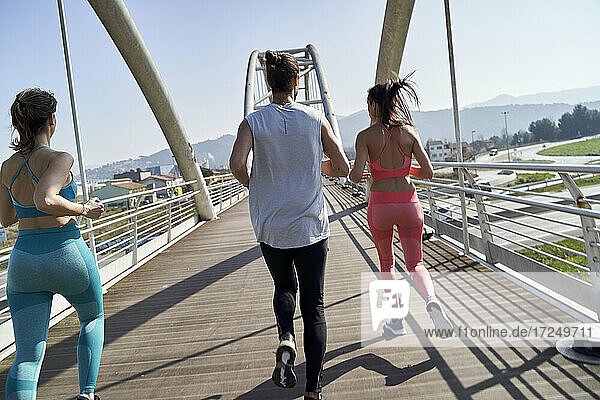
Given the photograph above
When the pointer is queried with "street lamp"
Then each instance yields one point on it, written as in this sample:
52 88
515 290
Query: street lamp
505 113
473 141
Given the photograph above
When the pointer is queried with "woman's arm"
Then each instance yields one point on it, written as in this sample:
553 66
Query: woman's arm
239 153
46 196
362 155
8 215
425 170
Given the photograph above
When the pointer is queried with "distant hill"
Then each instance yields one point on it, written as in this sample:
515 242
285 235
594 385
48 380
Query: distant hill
216 151
484 118
571 96
485 121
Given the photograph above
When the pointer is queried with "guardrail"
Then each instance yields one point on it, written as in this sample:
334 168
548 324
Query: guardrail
124 240
549 238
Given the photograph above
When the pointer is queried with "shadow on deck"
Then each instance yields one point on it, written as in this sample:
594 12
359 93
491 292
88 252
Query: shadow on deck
196 322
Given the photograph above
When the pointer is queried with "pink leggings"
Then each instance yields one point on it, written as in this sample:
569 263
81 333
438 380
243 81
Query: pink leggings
403 210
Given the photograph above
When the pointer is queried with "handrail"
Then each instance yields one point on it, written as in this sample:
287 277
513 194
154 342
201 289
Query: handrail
522 167
549 206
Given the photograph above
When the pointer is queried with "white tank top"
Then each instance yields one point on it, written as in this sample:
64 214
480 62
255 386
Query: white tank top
287 207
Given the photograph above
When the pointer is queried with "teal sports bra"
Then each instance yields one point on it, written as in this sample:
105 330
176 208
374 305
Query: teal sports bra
68 192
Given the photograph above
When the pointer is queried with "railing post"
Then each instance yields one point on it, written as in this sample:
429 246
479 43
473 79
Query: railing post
433 211
585 348
221 198
135 233
92 240
170 225
592 242
484 226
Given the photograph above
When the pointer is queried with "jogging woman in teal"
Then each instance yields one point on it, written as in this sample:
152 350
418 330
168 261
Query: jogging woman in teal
50 256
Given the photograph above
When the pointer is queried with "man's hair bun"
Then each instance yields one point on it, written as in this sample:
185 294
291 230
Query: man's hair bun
273 57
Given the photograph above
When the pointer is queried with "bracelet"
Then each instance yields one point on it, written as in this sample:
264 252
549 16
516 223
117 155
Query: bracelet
83 211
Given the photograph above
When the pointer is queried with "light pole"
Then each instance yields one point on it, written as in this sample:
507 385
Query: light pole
505 113
473 146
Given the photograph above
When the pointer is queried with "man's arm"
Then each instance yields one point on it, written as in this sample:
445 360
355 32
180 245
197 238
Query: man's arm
239 153
337 165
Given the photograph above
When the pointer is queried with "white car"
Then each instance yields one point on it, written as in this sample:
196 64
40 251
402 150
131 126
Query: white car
444 214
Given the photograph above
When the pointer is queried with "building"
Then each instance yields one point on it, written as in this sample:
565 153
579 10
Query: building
437 150
134 175
465 150
118 187
158 181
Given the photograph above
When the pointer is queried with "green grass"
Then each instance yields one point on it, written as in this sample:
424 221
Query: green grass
530 178
590 147
558 265
593 180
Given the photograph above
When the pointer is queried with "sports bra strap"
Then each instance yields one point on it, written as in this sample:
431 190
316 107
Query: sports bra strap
388 140
27 164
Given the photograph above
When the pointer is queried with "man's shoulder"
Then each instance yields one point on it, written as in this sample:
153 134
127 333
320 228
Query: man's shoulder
258 112
309 111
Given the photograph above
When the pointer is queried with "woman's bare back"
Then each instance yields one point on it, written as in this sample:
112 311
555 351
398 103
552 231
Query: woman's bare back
24 185
375 138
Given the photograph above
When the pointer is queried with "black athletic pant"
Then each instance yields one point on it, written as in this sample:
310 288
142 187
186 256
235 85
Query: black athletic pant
309 264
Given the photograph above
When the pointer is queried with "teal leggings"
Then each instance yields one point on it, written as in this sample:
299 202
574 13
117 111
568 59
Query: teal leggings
44 262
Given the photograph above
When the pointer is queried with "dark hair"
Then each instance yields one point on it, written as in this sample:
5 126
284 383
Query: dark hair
393 98
282 68
30 111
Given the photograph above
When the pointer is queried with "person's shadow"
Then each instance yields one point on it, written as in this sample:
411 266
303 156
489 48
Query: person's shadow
393 375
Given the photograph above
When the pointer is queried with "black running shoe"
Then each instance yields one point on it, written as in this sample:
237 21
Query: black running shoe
80 397
283 374
320 397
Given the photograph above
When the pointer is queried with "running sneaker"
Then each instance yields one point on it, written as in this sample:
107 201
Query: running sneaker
319 397
394 326
283 374
80 397
442 323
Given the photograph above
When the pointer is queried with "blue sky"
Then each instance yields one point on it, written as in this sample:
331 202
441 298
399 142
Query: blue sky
201 49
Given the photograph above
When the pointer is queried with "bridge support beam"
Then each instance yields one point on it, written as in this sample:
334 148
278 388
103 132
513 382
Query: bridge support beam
122 29
393 37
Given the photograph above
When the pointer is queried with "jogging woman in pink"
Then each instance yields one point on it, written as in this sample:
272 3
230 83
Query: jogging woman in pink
389 145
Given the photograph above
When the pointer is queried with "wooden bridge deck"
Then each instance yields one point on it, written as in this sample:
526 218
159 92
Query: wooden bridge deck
196 322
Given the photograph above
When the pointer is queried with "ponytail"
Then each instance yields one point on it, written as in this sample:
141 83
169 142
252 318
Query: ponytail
393 98
30 111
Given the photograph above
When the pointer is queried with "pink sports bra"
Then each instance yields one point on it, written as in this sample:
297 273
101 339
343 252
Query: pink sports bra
378 172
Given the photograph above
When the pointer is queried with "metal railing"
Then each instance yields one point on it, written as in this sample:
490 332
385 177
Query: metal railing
127 237
551 238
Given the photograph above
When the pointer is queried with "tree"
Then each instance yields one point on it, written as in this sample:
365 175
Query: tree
581 121
544 129
522 137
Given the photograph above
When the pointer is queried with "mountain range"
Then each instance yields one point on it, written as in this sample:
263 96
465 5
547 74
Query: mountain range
570 96
216 151
485 121
484 118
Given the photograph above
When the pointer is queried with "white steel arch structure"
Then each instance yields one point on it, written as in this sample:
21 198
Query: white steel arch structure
313 92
